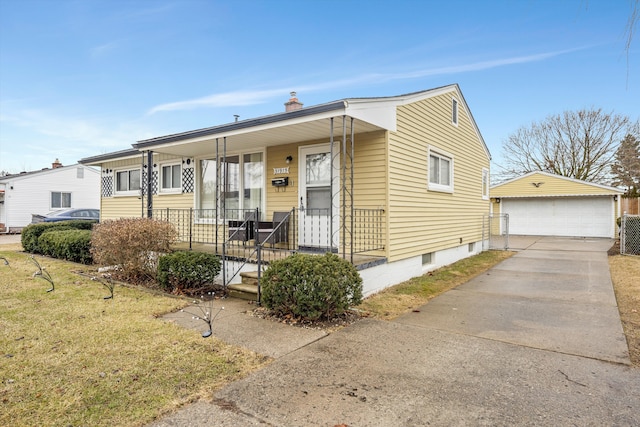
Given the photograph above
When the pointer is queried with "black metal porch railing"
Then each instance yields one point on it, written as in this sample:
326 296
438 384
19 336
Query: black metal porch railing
241 237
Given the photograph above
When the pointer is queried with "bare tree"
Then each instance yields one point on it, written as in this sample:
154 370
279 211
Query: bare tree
626 167
578 144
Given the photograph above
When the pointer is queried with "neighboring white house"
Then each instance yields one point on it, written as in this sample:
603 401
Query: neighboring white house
43 191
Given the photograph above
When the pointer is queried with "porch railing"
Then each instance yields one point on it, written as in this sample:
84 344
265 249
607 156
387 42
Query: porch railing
239 238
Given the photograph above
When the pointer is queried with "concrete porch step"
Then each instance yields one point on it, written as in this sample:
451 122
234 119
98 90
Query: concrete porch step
248 289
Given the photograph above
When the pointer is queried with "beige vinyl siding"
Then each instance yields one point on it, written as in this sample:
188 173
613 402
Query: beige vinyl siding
115 207
120 207
551 186
282 199
173 201
370 177
422 220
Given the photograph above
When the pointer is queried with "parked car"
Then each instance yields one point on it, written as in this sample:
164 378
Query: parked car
66 215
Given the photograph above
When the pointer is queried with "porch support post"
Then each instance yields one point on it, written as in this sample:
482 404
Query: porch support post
344 187
142 188
215 228
150 184
351 186
330 186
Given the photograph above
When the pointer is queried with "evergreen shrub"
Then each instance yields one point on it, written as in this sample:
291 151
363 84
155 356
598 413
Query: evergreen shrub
185 272
311 287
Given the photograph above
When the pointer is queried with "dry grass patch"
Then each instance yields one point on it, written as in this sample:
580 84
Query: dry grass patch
70 357
404 297
625 275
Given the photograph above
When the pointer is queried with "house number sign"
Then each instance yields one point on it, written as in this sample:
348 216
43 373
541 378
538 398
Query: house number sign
278 171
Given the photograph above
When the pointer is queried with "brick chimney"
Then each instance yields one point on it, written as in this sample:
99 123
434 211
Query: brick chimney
56 164
293 103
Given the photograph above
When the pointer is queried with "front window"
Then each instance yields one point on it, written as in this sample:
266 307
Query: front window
242 181
60 200
440 171
171 178
128 181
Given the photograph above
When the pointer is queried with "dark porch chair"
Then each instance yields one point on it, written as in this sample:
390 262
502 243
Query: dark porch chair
280 225
243 231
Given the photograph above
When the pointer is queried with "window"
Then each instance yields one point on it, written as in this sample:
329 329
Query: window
171 178
454 111
472 247
128 181
440 171
60 200
485 184
243 178
428 258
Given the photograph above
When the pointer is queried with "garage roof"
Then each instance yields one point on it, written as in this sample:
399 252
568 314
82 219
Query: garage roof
545 184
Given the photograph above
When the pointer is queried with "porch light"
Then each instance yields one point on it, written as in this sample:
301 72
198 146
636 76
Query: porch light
289 159
615 197
497 199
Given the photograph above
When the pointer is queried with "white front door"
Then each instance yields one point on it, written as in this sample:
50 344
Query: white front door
318 207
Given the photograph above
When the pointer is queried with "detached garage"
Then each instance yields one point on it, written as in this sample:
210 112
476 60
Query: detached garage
544 204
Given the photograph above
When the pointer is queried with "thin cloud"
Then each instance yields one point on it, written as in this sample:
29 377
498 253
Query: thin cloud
70 129
237 98
243 98
99 51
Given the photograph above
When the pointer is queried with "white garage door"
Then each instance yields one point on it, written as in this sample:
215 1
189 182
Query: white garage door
562 216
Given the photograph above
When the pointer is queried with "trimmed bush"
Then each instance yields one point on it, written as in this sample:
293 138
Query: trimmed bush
70 244
311 287
133 245
188 272
32 232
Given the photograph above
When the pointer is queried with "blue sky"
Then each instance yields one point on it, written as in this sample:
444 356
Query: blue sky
85 77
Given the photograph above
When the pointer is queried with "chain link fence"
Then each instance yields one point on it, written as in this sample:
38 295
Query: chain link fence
630 234
495 232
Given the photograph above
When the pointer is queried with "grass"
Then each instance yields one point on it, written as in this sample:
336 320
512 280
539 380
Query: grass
625 275
404 297
70 357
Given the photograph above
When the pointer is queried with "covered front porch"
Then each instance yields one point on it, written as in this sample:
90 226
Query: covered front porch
247 246
259 190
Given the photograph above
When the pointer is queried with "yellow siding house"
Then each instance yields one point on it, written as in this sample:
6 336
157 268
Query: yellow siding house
399 185
545 204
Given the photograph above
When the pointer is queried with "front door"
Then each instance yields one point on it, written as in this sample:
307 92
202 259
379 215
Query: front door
318 228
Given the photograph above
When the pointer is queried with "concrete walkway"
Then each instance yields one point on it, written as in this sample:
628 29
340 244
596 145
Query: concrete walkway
537 340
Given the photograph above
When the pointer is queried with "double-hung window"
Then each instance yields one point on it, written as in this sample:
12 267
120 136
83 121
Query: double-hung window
171 178
440 171
60 200
128 182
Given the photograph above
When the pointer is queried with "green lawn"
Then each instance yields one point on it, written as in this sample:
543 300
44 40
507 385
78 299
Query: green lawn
70 357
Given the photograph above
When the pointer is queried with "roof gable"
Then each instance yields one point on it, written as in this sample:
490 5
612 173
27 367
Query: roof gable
545 184
46 171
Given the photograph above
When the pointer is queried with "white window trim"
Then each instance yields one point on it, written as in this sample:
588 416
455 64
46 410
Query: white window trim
173 190
455 111
439 187
485 184
117 193
240 154
60 207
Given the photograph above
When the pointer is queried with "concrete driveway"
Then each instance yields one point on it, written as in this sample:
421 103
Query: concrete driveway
535 341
